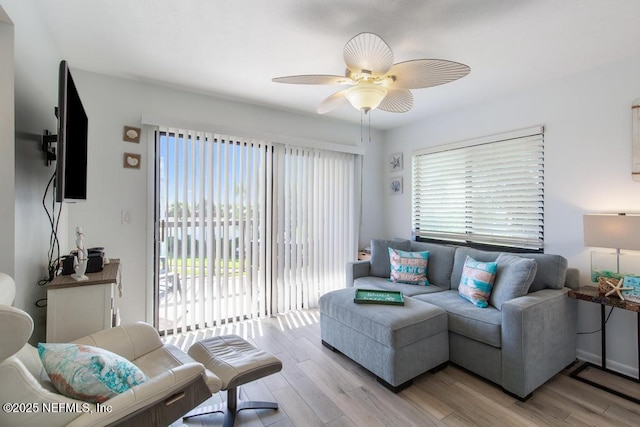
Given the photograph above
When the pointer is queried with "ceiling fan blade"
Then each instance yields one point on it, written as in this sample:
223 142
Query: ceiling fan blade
421 73
397 101
313 79
367 51
332 102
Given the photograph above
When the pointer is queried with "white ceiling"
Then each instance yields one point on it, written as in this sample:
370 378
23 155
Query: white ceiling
233 48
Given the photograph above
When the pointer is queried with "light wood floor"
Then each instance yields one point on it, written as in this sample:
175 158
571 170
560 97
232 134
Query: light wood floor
318 387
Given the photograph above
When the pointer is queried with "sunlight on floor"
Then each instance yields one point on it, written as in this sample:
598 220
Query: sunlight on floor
297 319
247 329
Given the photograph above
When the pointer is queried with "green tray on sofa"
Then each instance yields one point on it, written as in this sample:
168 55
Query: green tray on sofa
374 296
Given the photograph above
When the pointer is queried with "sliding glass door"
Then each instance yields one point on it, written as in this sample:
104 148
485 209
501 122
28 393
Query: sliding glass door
246 228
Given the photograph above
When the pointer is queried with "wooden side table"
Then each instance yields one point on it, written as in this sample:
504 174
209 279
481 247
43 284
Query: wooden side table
76 309
591 294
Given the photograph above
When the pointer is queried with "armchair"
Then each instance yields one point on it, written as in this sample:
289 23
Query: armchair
176 383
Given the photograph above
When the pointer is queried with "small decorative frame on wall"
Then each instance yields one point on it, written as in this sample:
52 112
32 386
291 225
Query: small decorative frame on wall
395 162
132 160
131 134
395 185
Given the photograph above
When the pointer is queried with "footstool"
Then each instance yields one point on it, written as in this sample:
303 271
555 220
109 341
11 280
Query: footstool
235 362
396 343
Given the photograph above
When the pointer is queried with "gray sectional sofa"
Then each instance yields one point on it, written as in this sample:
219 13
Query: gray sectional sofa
517 342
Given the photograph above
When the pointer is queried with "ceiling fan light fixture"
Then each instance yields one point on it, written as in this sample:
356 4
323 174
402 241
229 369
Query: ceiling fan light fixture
365 96
376 82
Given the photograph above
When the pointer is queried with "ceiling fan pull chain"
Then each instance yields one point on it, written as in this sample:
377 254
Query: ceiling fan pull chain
361 125
369 126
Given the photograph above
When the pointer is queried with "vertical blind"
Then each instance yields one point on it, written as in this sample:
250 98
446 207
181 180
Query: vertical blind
489 191
247 227
214 243
315 235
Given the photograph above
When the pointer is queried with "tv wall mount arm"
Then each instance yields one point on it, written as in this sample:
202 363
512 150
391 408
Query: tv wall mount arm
49 143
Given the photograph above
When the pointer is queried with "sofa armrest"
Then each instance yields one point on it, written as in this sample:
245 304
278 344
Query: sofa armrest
538 339
155 390
356 269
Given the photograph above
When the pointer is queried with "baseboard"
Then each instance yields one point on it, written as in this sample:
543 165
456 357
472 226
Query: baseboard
596 359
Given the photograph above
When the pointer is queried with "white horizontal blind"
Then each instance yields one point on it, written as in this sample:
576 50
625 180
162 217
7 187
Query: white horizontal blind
490 192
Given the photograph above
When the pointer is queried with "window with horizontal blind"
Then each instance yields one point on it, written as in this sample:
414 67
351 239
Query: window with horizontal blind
488 191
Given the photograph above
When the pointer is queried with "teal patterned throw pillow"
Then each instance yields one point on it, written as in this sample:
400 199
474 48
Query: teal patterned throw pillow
477 280
408 267
88 373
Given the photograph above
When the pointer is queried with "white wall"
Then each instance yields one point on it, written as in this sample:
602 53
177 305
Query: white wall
7 118
373 189
587 119
110 104
36 69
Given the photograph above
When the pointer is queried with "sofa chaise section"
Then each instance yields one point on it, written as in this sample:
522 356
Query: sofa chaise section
395 343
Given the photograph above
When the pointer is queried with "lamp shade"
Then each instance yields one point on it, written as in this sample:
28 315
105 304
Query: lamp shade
365 96
619 231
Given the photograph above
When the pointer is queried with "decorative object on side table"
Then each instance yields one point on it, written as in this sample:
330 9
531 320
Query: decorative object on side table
604 283
633 291
81 259
617 288
618 231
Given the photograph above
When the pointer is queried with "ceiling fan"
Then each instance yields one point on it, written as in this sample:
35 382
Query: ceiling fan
375 81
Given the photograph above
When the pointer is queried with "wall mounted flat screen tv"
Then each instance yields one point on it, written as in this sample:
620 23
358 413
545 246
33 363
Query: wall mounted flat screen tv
71 166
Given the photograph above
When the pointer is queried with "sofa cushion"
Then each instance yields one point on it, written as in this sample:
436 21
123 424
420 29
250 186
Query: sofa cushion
88 373
461 256
390 325
551 269
370 282
480 324
513 278
408 267
476 281
380 265
440 262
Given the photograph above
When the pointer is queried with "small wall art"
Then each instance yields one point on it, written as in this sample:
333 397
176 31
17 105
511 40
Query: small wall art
395 162
131 134
132 160
395 185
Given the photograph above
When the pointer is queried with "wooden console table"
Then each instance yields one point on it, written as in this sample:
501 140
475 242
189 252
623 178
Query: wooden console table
591 294
76 309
